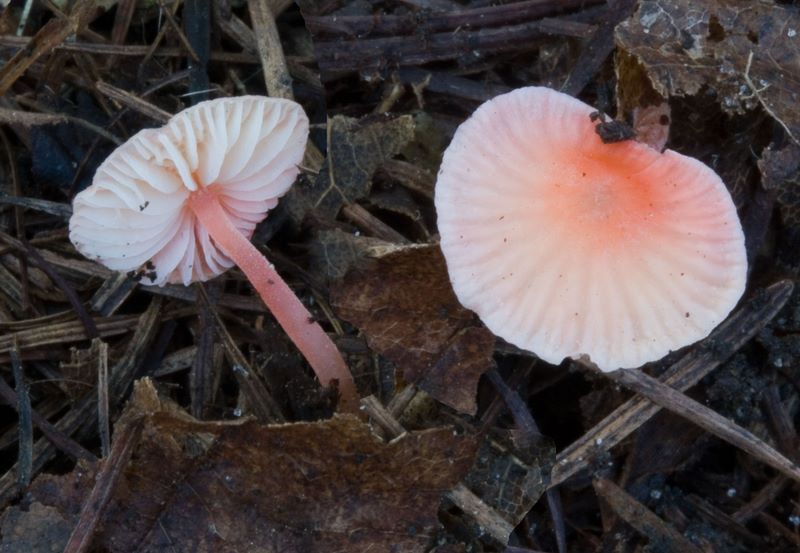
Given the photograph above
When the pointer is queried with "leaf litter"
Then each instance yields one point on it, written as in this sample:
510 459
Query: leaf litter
325 486
745 54
713 79
402 301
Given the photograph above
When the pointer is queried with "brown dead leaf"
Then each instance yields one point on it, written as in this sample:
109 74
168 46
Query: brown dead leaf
746 53
404 304
356 148
329 486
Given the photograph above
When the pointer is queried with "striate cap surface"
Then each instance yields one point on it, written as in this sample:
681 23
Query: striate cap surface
135 217
569 247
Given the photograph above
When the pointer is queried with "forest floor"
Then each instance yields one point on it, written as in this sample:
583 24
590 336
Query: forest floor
145 418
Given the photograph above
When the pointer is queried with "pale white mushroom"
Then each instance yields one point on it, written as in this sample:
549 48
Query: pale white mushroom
179 203
569 247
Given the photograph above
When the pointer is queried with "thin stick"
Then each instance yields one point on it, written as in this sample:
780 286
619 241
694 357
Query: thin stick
103 414
34 255
711 421
739 328
53 434
270 50
25 454
19 224
643 519
181 36
95 504
133 102
315 345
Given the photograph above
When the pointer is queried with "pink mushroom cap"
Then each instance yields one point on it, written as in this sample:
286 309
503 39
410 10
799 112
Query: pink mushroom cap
245 149
569 247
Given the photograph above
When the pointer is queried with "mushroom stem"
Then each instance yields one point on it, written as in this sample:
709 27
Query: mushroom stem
307 335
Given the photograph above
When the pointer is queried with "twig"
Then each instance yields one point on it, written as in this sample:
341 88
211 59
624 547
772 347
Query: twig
370 54
444 83
765 497
50 35
709 420
63 211
382 417
122 20
34 255
100 349
19 223
738 329
265 408
202 369
53 434
597 49
273 62
411 176
352 26
132 50
95 504
28 119
25 423
487 518
722 520
74 420
133 102
162 32
110 296
23 18
170 15
643 519
781 420
366 221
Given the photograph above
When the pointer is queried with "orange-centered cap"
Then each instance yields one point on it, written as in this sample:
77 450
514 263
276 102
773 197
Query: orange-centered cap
569 247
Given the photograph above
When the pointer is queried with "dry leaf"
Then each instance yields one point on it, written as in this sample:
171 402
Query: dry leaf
746 53
327 487
356 148
404 304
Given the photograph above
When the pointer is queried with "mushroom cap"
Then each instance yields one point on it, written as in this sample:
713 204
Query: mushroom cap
569 247
135 215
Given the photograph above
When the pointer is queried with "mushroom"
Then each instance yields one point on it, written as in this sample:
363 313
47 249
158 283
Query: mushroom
570 247
178 204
